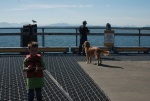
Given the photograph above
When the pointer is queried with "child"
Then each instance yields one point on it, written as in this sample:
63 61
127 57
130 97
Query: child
33 66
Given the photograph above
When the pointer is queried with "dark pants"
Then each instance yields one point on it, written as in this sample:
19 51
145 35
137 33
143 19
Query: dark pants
38 94
81 46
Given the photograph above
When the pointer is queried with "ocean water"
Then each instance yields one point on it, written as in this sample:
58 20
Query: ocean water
70 40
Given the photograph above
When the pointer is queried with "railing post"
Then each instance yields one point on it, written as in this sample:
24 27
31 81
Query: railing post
76 37
21 30
43 41
139 37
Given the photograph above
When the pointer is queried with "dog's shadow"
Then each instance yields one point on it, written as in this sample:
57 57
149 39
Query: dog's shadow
109 66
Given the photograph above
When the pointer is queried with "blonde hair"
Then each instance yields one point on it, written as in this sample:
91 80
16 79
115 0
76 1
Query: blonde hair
32 44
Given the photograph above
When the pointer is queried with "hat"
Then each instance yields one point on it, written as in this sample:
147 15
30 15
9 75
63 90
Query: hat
84 22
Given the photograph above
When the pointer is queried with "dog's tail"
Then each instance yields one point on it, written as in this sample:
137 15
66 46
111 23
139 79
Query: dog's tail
100 52
106 53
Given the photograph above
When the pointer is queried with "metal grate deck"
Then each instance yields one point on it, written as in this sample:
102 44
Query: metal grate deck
65 80
73 79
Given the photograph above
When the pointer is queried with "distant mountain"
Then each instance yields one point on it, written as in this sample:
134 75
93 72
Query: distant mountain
59 24
6 24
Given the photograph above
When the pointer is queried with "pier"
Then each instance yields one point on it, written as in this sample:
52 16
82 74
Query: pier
123 75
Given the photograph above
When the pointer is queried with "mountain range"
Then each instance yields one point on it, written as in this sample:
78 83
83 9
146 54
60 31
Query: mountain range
6 24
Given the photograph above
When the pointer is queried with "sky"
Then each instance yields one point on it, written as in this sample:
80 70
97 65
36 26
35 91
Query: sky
74 12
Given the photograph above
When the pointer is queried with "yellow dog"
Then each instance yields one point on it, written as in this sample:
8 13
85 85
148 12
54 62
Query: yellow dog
94 51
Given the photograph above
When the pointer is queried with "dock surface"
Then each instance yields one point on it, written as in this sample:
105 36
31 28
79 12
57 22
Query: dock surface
121 77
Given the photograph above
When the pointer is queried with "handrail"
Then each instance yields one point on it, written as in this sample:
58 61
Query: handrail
76 33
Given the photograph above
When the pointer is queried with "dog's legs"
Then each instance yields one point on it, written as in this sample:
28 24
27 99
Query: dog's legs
97 61
87 59
90 58
100 60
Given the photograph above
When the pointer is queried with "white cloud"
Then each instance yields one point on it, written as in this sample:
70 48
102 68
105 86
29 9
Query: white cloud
45 6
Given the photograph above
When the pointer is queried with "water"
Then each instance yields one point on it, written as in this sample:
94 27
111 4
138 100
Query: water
70 40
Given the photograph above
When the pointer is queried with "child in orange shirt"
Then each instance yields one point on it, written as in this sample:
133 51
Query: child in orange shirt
33 66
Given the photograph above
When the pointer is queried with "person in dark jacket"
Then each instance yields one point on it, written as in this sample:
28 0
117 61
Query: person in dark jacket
83 36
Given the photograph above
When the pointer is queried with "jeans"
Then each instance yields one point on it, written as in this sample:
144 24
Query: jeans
38 94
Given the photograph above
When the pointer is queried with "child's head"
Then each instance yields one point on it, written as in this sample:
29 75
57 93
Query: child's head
33 48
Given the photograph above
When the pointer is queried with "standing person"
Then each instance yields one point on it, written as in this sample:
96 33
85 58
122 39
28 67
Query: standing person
83 36
33 66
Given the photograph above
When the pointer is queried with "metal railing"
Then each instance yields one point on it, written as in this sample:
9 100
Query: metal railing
119 31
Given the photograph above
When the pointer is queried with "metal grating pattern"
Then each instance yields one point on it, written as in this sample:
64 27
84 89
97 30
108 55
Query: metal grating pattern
64 69
12 86
12 78
73 79
51 92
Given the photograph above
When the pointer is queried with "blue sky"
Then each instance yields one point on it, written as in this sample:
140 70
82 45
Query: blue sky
95 12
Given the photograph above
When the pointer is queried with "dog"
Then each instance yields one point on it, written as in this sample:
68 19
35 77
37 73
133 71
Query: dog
94 51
